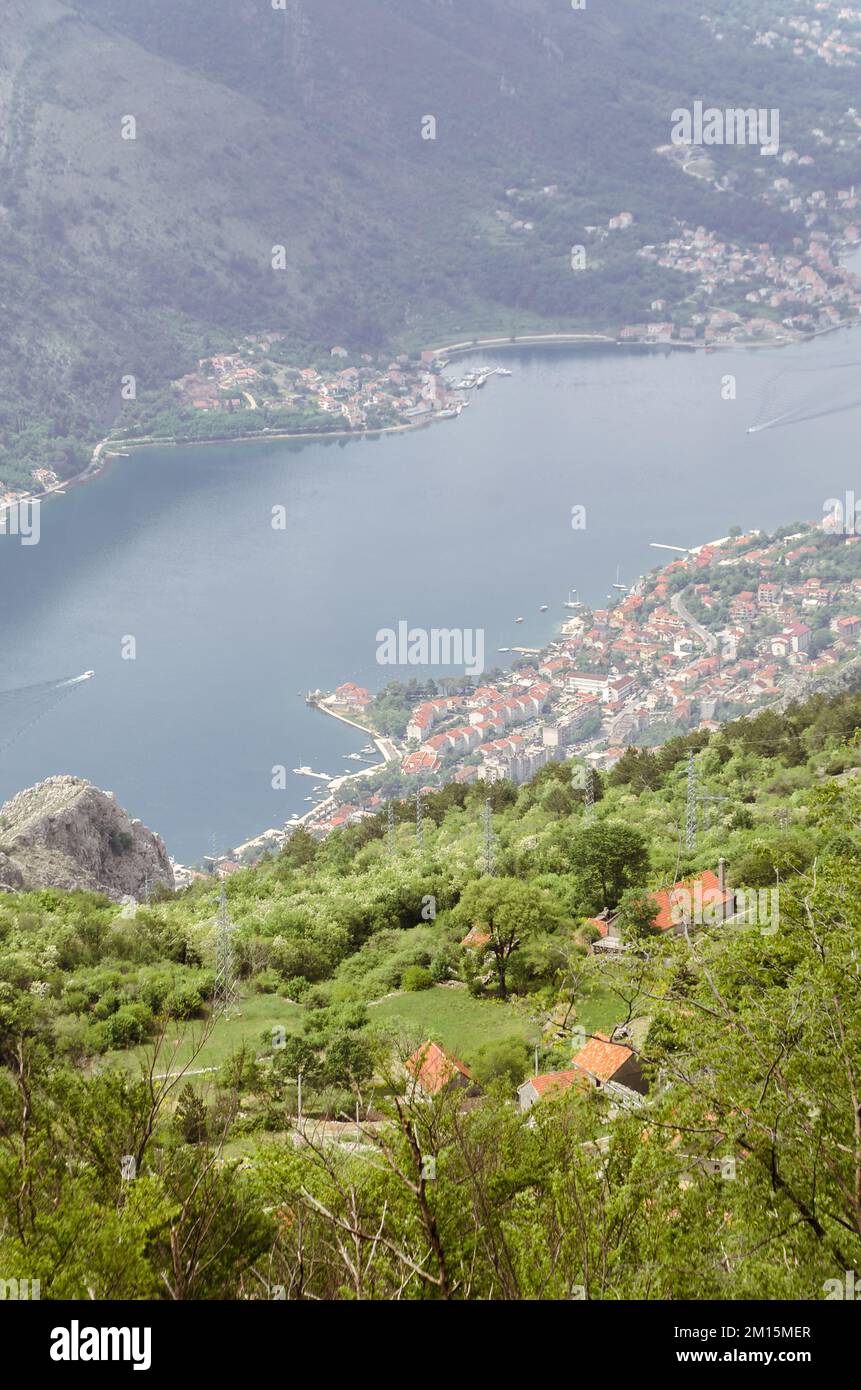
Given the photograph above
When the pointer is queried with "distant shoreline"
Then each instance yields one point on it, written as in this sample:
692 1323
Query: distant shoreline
102 452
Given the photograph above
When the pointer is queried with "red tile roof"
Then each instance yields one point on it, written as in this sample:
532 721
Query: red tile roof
555 1082
433 1069
601 1058
668 900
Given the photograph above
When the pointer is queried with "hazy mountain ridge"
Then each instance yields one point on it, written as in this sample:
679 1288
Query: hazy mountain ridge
303 128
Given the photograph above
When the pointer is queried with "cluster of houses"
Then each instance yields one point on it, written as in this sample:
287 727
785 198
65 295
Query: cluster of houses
366 392
789 295
602 1063
832 33
480 723
43 478
605 1062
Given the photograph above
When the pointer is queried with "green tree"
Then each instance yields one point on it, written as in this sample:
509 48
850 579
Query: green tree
509 911
610 856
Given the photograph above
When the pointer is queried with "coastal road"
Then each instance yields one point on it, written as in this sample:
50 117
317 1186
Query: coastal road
709 641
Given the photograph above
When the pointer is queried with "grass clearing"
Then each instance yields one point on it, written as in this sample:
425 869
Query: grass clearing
247 1022
451 1016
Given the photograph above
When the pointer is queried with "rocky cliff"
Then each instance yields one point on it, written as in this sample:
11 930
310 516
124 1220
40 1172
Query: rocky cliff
66 833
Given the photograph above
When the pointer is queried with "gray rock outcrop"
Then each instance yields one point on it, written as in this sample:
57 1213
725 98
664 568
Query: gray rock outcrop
66 833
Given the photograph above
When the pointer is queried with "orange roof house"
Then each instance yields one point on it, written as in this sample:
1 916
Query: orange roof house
602 1060
434 1070
600 1063
692 901
700 901
550 1085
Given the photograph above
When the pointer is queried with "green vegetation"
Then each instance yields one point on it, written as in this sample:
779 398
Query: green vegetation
459 1022
349 958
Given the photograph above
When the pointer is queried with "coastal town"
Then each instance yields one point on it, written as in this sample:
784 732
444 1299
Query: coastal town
725 629
349 391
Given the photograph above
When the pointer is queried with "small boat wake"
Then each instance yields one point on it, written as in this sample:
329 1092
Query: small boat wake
798 394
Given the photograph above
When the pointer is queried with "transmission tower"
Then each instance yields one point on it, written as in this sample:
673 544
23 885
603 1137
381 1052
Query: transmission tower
691 819
488 837
224 993
390 829
589 796
420 827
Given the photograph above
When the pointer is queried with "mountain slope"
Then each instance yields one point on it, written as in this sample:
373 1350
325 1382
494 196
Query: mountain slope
302 128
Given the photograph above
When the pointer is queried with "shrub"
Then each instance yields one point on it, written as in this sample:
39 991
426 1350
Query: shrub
266 982
416 977
184 1002
507 1060
129 1025
294 988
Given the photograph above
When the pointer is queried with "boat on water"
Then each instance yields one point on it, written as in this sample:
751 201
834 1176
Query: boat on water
503 649
518 620
543 608
570 602
503 371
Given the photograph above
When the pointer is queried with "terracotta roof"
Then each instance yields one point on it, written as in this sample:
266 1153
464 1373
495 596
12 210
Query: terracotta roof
433 1068
669 900
476 936
555 1082
601 1058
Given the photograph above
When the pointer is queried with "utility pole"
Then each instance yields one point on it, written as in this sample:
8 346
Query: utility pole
390 829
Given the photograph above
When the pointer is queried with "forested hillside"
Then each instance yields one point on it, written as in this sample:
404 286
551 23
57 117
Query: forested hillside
735 1174
302 128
